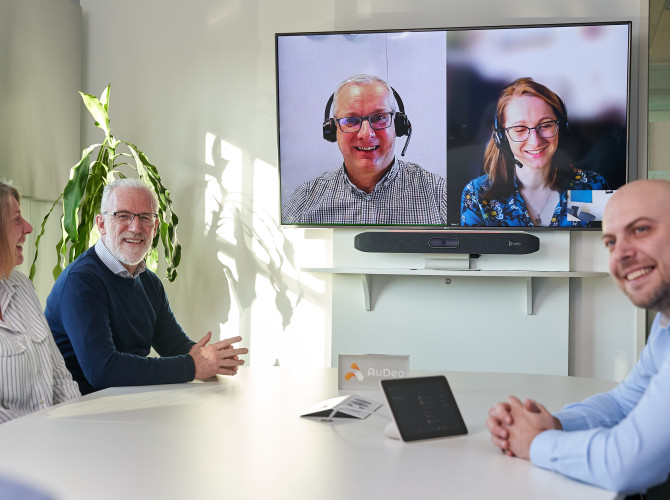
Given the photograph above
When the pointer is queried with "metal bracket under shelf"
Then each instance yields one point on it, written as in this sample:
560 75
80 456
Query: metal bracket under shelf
366 280
528 276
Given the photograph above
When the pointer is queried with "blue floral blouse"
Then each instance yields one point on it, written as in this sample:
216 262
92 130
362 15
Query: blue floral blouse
512 211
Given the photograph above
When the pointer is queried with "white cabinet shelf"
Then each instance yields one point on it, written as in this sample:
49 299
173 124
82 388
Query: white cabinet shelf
367 274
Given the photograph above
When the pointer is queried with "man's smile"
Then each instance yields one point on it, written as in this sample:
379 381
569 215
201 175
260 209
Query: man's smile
633 275
133 239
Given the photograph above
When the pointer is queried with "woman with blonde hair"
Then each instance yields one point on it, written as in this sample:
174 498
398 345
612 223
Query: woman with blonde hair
527 174
32 371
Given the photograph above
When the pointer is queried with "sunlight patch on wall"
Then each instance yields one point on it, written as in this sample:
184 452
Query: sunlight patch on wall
311 252
282 314
305 338
264 214
224 184
266 222
209 148
233 326
304 343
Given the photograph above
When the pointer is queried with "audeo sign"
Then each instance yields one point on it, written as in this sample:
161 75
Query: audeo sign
364 371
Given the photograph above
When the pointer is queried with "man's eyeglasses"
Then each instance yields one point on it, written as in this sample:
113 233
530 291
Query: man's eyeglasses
127 218
546 130
377 121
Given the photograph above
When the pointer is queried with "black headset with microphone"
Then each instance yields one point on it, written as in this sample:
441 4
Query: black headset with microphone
502 142
402 124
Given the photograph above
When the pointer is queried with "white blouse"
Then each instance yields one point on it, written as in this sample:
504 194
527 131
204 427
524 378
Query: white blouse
32 371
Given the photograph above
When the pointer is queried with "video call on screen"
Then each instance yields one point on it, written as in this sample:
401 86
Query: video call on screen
450 81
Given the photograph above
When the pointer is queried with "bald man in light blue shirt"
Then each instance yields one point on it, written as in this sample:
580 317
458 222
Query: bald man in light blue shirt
619 440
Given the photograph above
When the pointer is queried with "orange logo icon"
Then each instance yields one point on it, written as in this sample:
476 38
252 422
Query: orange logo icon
355 372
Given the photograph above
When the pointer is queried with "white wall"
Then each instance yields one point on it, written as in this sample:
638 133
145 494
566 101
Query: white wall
41 44
193 85
40 58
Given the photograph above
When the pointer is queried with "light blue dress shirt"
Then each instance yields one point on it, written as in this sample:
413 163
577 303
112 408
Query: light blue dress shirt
618 440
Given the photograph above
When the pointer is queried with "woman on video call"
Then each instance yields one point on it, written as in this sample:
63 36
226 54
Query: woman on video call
527 176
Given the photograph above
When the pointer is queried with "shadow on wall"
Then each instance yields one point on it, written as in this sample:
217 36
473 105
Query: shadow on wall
247 263
249 245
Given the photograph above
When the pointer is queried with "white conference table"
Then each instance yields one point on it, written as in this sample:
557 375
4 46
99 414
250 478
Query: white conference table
242 437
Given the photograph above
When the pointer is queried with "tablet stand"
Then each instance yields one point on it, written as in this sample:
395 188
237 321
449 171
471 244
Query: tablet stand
391 430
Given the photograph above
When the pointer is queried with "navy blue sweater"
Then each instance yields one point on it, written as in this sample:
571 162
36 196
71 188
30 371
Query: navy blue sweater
105 325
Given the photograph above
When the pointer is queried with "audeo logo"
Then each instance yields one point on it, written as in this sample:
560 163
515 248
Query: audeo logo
385 372
355 372
372 372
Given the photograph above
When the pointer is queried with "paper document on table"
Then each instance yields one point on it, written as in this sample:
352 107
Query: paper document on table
352 406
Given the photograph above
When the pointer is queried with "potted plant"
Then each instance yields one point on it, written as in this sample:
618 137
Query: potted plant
83 193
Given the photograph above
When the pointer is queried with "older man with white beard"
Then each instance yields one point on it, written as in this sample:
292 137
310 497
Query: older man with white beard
107 310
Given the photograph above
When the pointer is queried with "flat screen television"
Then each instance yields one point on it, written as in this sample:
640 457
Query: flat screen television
510 126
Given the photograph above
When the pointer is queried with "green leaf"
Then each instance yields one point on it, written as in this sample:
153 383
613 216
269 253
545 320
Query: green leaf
73 193
168 235
83 193
61 248
33 267
104 98
97 110
176 257
152 260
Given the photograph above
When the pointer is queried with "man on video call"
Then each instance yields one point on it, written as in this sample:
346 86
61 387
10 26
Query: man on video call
619 440
372 186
